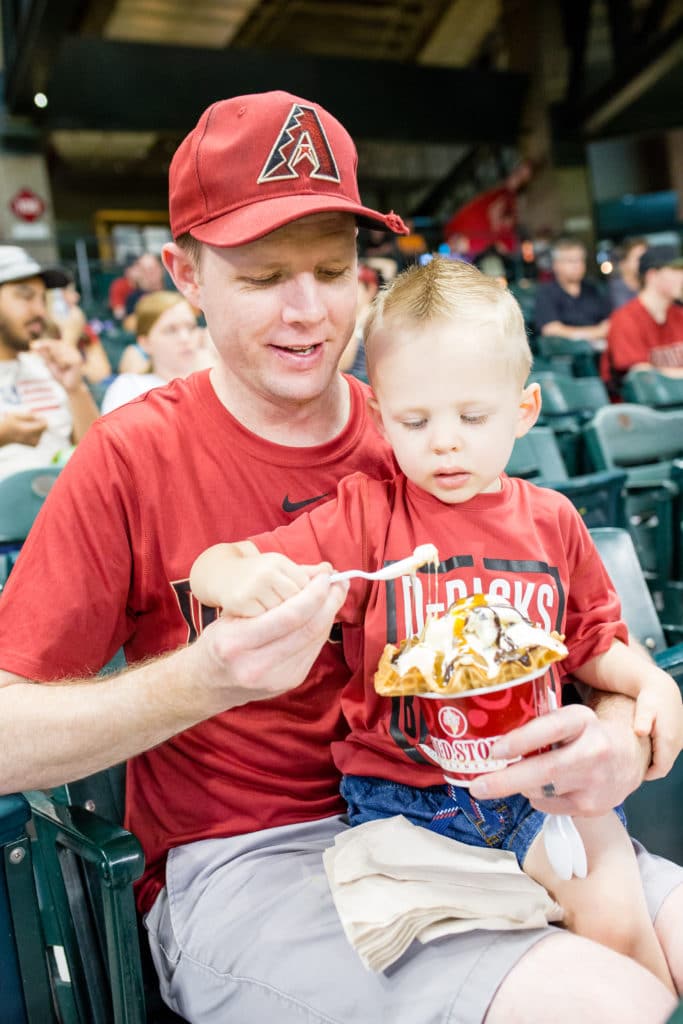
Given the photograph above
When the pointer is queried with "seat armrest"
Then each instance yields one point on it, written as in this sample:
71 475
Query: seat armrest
115 853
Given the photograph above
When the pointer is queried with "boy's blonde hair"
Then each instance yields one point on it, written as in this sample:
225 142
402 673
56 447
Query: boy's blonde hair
454 291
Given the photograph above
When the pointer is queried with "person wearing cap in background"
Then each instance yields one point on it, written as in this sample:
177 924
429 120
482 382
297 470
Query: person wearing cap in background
647 332
45 405
231 786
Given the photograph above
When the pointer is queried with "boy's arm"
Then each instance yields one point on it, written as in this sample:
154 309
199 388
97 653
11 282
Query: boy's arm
243 581
658 710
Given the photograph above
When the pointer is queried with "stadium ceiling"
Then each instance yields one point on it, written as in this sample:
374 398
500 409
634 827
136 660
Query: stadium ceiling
125 79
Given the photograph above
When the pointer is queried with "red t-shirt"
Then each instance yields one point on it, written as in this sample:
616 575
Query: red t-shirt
634 336
525 543
107 563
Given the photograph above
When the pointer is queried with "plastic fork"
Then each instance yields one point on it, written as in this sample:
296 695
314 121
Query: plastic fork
563 843
422 554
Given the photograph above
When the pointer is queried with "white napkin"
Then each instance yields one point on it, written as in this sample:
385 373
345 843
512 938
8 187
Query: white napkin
393 882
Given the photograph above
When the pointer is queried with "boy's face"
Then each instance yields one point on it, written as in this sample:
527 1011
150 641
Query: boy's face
450 408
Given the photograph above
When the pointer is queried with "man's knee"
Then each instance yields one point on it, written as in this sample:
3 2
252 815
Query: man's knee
581 981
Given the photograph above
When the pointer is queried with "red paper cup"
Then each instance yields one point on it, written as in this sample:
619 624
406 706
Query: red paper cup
461 728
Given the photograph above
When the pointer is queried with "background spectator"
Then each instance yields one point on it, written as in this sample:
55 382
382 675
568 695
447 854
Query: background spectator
45 406
625 283
122 287
64 310
490 219
570 306
353 356
149 277
648 331
168 334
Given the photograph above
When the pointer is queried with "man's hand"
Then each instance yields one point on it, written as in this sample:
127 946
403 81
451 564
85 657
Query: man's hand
240 660
598 761
21 428
63 361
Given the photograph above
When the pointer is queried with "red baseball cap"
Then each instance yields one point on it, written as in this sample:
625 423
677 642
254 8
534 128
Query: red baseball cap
254 163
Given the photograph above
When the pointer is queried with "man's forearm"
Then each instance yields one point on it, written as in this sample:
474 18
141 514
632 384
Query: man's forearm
55 733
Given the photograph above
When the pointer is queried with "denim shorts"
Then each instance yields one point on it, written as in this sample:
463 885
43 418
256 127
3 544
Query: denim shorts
509 824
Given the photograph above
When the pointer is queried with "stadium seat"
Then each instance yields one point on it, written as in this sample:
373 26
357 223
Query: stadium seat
21 497
599 497
654 810
647 387
580 353
567 403
645 443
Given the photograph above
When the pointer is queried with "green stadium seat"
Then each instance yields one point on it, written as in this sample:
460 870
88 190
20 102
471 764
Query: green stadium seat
581 354
654 810
645 443
599 497
647 387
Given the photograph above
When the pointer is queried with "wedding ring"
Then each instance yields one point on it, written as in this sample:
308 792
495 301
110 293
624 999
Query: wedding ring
549 790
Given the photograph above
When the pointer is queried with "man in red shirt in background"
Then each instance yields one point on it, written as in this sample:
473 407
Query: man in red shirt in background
647 332
490 219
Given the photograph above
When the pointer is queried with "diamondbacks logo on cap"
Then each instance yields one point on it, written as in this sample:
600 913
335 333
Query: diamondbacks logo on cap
302 138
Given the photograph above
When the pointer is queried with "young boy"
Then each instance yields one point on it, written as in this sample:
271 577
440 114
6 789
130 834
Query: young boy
448 359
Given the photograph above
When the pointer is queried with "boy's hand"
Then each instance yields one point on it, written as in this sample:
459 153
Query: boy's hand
659 714
265 581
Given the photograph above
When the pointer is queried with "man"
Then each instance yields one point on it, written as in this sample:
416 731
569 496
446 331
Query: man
648 331
231 786
570 306
45 405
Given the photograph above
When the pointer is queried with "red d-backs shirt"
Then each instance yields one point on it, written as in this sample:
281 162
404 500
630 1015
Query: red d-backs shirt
525 543
151 486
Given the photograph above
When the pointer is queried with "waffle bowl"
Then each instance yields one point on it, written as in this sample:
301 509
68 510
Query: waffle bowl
473 682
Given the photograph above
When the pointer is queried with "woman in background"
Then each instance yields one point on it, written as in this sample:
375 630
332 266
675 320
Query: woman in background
167 333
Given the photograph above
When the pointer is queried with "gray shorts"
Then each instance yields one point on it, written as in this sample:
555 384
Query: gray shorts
246 931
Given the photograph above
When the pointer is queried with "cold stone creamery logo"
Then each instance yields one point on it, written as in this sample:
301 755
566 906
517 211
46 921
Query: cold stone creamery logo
453 751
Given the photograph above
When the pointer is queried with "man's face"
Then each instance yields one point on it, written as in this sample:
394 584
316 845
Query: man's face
669 283
281 310
150 273
569 265
22 315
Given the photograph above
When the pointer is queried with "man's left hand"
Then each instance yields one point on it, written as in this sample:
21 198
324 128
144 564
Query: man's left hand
596 762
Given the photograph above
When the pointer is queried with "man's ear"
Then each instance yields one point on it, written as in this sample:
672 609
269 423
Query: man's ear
529 409
375 414
183 272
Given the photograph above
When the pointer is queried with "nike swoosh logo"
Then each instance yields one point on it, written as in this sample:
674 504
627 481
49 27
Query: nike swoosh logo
294 506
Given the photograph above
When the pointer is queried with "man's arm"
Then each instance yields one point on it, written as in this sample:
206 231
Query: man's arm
556 329
66 366
57 732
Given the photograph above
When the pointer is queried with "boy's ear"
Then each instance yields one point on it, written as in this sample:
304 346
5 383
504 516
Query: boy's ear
529 409
375 414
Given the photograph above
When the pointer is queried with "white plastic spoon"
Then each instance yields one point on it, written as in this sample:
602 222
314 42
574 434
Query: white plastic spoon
563 843
422 554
